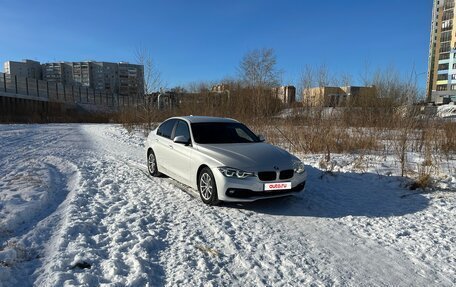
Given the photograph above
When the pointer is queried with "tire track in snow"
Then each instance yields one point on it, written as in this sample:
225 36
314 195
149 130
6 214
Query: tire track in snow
123 236
40 221
31 145
55 195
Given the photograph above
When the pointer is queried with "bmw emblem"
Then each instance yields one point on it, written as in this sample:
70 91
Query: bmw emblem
276 167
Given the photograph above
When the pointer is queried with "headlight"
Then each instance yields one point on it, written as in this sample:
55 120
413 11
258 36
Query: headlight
298 166
234 172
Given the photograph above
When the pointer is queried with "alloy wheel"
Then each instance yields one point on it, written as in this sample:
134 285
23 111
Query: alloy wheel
206 188
152 164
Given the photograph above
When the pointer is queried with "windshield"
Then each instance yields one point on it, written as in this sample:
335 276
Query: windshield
222 133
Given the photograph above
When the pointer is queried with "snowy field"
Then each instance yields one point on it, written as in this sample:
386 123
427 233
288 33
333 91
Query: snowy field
77 208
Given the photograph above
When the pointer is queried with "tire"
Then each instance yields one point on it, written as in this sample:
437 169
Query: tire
207 187
152 164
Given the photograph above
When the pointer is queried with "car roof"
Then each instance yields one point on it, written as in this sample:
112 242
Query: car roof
204 119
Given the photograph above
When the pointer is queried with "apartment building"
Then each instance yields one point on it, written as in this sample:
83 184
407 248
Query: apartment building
26 68
104 77
131 79
122 78
56 72
80 73
441 84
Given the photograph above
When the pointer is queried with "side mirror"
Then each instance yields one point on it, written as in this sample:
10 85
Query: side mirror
261 138
182 140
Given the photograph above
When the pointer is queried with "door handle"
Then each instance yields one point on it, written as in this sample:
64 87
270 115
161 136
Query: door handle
170 146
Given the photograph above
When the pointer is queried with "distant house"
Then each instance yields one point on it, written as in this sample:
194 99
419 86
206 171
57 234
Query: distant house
287 94
335 96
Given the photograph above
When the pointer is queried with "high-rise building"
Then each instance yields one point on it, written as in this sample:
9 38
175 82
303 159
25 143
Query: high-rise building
122 78
105 76
81 73
26 68
131 79
56 72
441 85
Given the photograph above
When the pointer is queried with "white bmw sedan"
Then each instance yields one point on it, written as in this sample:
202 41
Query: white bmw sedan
223 160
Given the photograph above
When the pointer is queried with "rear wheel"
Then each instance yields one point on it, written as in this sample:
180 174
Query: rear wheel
152 164
207 187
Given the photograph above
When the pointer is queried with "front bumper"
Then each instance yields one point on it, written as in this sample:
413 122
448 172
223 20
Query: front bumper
252 188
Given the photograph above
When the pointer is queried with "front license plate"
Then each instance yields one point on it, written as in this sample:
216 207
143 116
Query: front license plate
277 186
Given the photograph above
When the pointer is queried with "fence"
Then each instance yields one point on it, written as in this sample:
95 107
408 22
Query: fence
57 92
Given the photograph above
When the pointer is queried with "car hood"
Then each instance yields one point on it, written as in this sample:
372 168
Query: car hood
249 156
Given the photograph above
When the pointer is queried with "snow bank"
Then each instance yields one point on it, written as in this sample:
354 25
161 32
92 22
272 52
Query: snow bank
447 111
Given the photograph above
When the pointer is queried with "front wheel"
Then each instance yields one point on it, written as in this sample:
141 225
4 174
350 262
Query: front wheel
207 188
152 164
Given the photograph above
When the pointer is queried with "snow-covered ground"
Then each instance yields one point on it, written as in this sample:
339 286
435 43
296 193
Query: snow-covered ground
447 111
77 208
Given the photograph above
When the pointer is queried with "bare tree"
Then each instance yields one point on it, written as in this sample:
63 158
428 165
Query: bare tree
366 74
258 69
346 80
306 82
152 76
392 85
199 87
307 78
314 78
152 83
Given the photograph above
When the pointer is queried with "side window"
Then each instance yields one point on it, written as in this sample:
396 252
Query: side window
243 135
166 128
182 129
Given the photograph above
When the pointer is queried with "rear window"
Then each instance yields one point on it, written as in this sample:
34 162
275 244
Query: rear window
166 128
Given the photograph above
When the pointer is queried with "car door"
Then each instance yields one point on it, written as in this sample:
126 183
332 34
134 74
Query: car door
181 155
163 147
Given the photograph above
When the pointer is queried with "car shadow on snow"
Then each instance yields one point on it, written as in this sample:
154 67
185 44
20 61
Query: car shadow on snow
339 194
